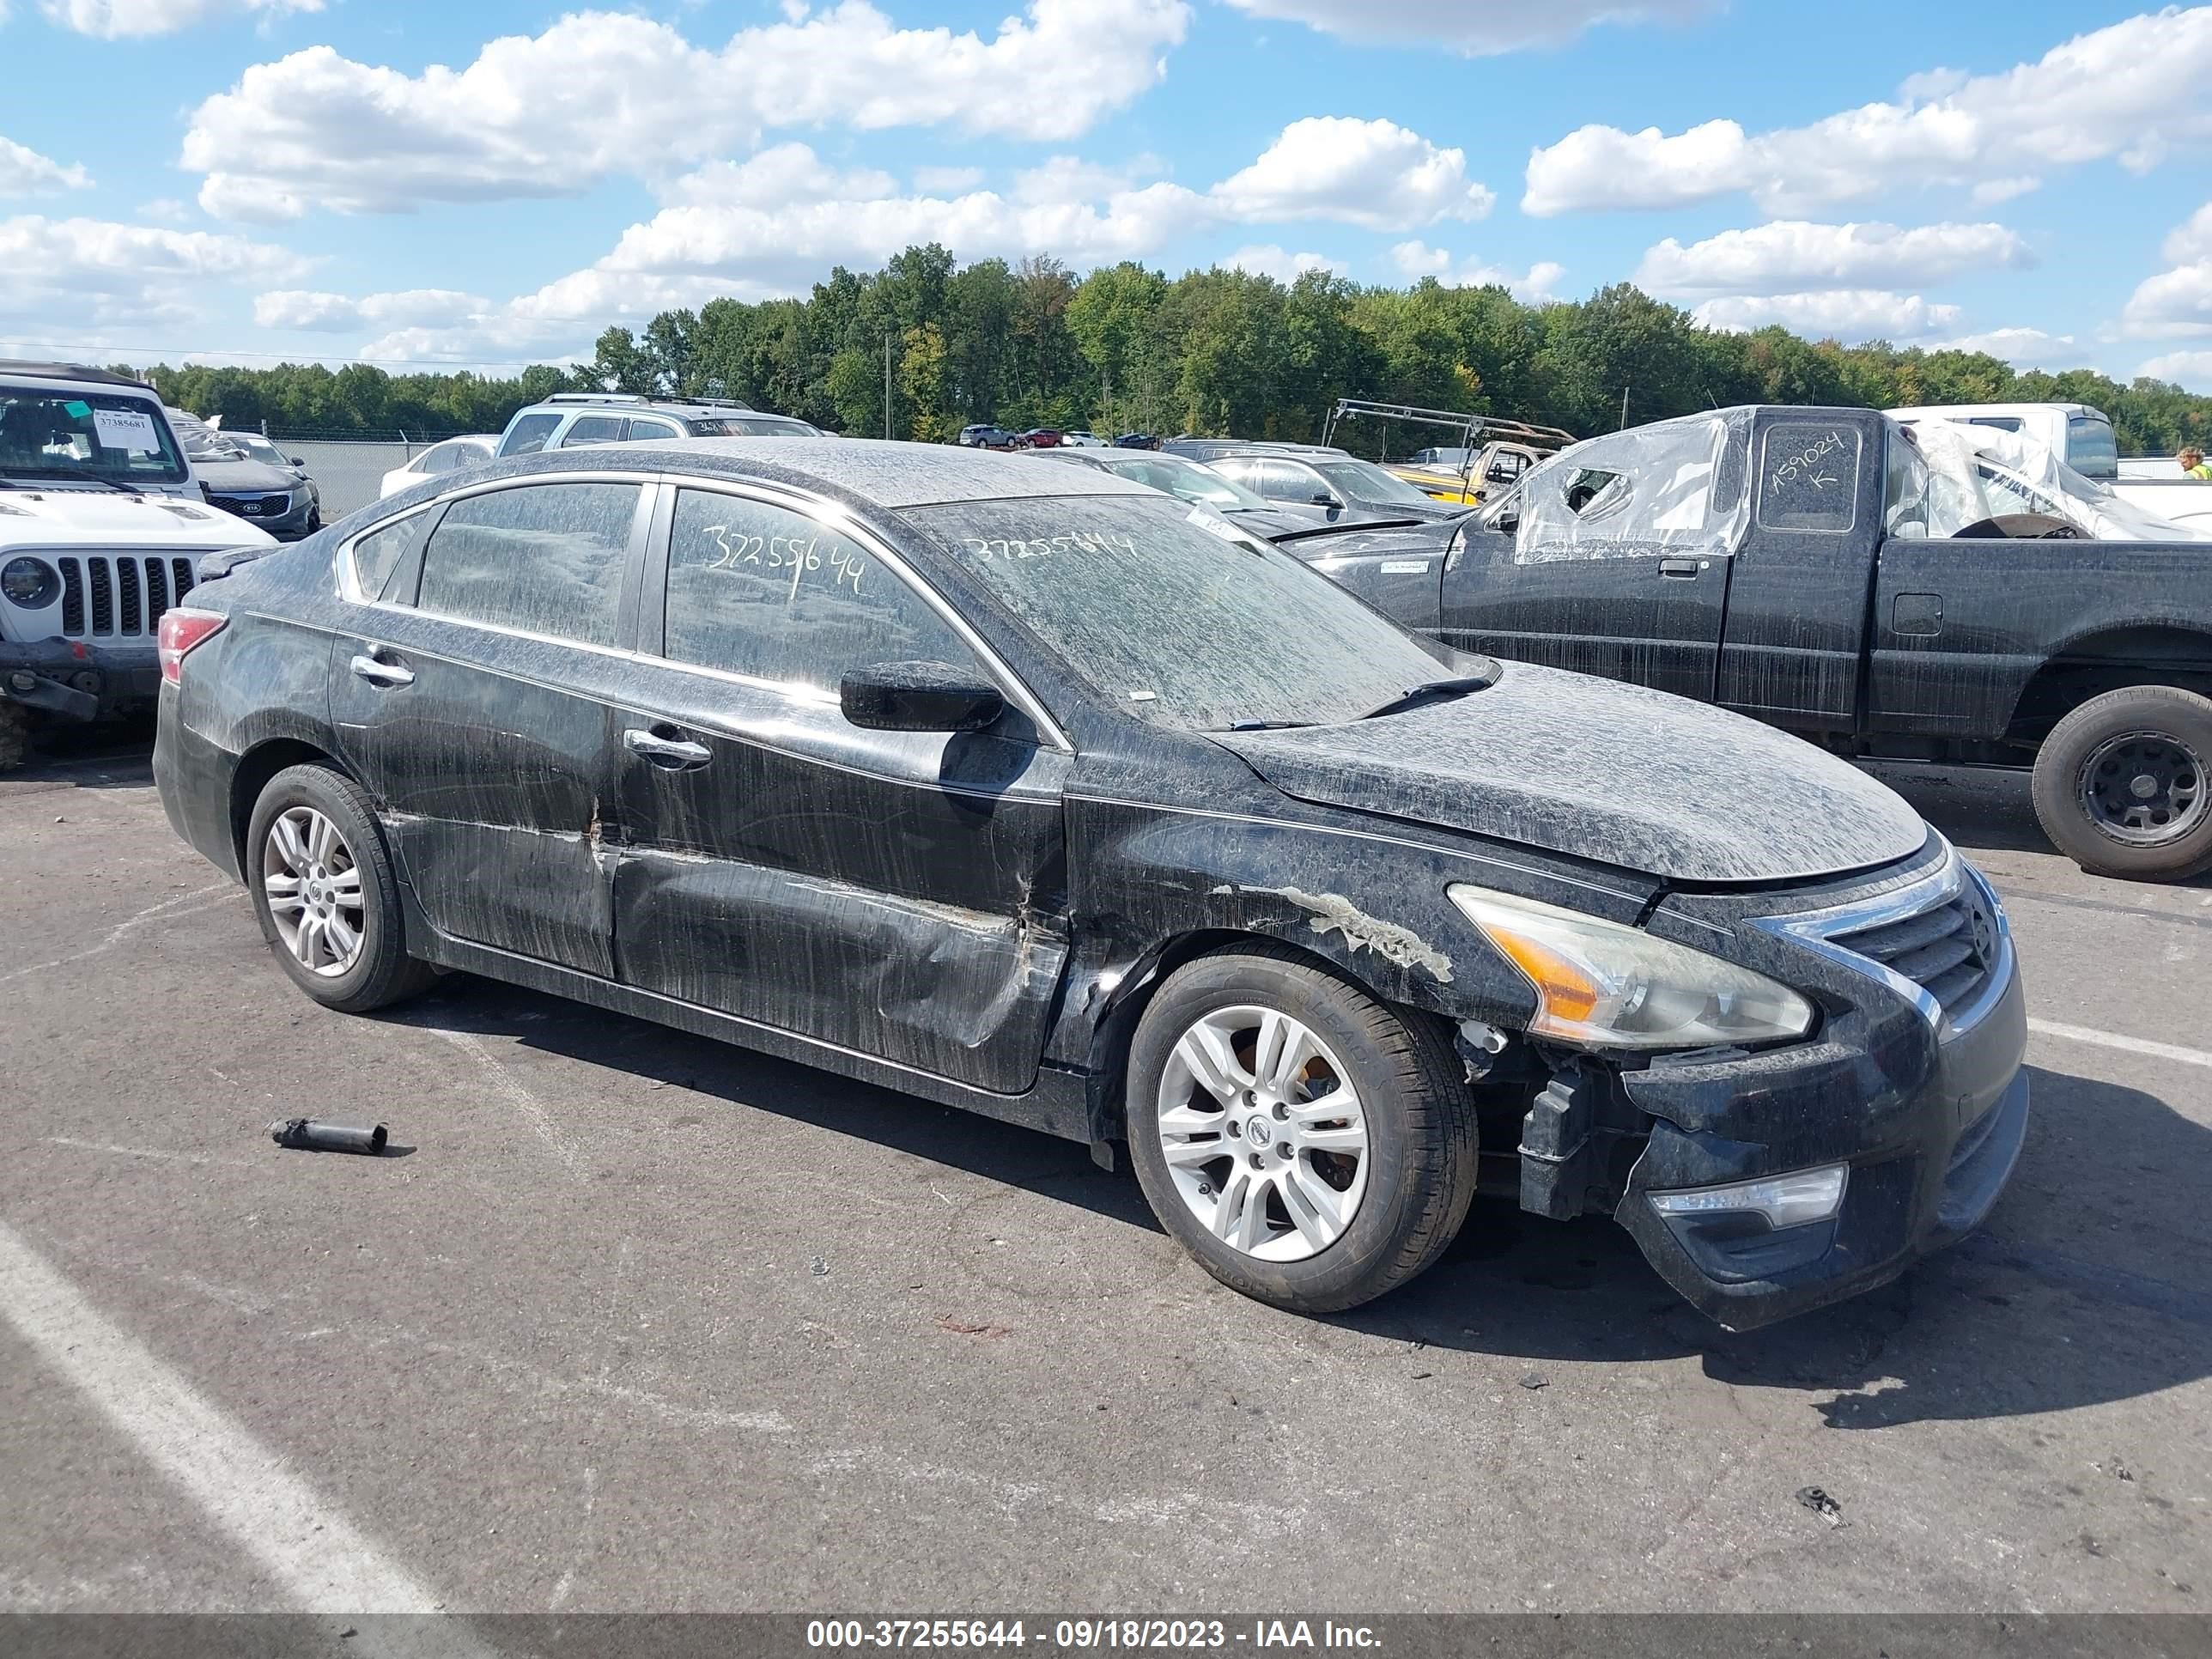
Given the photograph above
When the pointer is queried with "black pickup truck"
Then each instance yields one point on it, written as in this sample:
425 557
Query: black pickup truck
1806 566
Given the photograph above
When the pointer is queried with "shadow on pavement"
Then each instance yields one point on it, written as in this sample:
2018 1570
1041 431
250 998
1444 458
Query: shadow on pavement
2087 1287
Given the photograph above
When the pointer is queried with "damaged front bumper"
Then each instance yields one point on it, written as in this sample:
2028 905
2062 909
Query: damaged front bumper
73 680
1890 1137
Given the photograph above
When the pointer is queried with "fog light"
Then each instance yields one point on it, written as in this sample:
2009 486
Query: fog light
1786 1200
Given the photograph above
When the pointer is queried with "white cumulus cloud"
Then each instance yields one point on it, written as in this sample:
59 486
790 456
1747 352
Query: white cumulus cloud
418 308
1794 256
86 273
2177 302
1474 28
24 172
600 94
2134 91
1850 315
1270 259
771 225
118 20
1415 260
1374 173
2024 347
2191 370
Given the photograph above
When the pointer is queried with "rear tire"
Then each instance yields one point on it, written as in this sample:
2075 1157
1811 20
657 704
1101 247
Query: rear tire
324 889
2122 787
1331 1229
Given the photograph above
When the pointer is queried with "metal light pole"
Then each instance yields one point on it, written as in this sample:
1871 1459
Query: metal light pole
887 387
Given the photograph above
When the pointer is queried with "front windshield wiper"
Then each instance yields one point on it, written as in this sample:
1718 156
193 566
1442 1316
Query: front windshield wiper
1346 529
1481 680
1265 725
73 477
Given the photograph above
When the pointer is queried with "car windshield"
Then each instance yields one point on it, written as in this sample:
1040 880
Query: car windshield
203 442
1363 480
1186 480
258 447
1174 615
46 433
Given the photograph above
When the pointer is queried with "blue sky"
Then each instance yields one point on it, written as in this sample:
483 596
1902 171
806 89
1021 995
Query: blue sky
492 184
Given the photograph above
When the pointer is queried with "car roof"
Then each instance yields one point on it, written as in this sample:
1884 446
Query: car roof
865 470
79 371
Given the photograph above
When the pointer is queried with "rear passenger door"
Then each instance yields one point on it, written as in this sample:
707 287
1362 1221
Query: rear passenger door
473 705
901 894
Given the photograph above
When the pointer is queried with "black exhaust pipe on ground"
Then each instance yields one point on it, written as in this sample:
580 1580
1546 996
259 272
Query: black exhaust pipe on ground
306 1135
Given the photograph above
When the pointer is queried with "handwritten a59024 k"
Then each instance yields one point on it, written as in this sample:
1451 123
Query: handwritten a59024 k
1805 464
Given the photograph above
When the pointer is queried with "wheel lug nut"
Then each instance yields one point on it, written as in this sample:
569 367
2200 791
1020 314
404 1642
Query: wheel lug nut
1282 1110
1255 1160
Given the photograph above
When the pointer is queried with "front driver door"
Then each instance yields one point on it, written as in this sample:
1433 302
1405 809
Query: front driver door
1612 560
900 895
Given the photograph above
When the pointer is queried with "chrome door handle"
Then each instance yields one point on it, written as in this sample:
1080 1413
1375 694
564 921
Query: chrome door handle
673 752
383 673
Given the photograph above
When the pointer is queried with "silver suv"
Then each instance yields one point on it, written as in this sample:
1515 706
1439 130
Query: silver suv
571 420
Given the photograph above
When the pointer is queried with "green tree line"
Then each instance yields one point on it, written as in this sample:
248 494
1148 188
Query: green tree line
1211 352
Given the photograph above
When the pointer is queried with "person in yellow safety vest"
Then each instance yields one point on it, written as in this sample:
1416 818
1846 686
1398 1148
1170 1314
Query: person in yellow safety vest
2193 465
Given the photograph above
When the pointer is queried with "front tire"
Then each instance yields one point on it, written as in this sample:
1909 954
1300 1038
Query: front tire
2121 784
324 889
1311 1147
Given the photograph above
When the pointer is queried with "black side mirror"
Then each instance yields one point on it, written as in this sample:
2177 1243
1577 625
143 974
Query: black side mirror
1322 498
919 696
1507 522
296 461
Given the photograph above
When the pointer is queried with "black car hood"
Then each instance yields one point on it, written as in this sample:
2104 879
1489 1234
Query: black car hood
245 477
1596 769
1264 522
1426 509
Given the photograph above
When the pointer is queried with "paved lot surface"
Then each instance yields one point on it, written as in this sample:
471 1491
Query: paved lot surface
646 1322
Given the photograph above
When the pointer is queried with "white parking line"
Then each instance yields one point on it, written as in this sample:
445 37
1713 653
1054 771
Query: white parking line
2114 1040
322 1562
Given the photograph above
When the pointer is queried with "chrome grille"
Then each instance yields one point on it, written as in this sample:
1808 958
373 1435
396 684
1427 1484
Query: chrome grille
120 595
1947 951
1940 942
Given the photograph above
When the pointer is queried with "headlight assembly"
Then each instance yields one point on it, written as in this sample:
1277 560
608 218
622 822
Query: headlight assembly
31 583
1606 986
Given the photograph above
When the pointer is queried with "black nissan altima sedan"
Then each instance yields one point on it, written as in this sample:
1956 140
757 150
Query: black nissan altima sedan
1028 789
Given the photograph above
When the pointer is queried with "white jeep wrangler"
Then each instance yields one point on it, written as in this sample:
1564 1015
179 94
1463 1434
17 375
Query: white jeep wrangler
101 530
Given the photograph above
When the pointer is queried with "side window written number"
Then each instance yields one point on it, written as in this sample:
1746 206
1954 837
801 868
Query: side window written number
762 590
796 553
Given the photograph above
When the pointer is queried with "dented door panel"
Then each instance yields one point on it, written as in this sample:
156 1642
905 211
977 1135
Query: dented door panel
901 894
490 782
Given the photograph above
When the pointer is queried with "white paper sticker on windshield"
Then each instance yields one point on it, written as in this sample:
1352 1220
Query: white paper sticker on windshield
1214 525
1404 567
128 429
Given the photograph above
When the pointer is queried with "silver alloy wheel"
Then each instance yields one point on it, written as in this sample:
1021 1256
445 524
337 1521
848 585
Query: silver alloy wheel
314 886
1264 1134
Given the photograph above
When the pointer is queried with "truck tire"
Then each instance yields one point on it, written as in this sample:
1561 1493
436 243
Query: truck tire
325 894
2122 785
14 734
1234 1083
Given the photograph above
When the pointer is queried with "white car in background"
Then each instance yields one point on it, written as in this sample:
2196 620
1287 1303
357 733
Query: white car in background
2081 437
1983 471
451 456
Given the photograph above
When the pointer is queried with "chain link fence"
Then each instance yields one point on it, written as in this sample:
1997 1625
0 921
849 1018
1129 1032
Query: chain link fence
349 470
